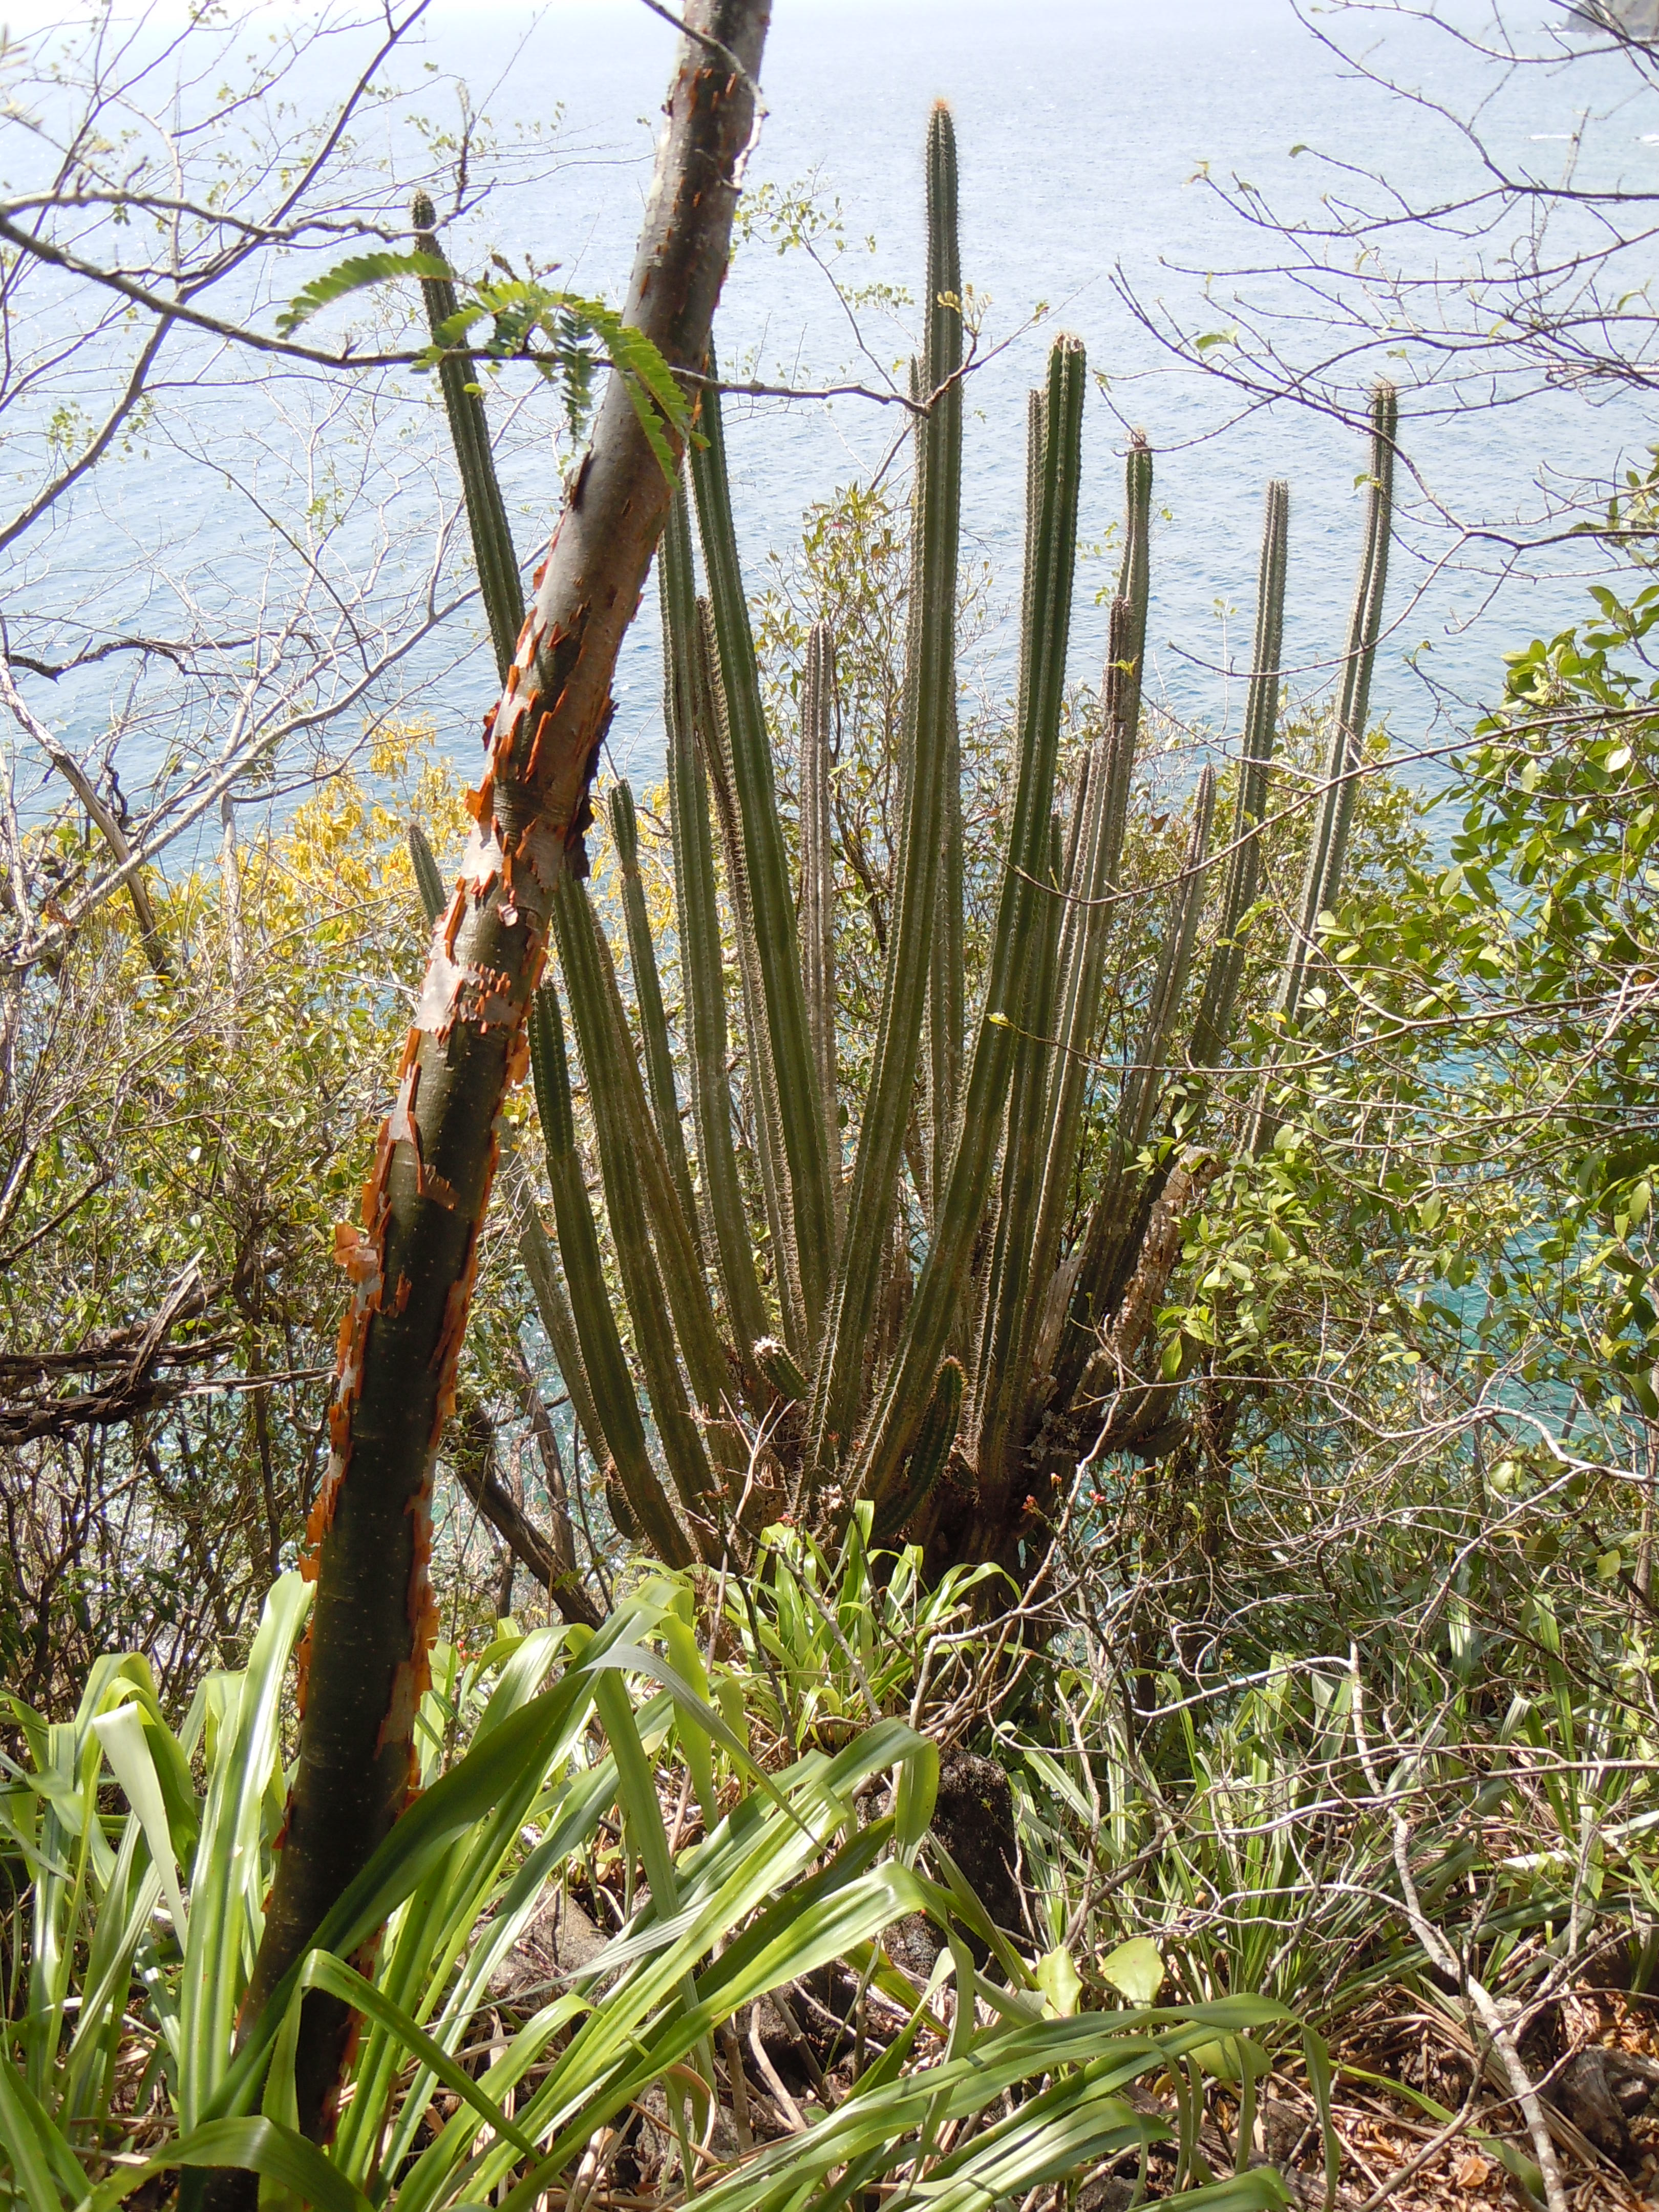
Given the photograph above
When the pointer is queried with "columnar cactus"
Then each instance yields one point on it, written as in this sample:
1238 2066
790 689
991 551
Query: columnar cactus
788 1338
1340 784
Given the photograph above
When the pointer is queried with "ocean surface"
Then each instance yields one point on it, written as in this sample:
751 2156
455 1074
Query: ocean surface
1085 128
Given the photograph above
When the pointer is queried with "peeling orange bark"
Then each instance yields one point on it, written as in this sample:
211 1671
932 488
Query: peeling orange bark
365 1663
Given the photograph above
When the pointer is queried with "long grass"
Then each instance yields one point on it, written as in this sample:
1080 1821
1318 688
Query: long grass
599 1767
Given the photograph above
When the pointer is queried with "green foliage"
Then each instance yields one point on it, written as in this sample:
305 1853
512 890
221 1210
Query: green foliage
1463 1178
520 311
549 1765
198 1134
355 274
829 1647
1242 1807
197 1137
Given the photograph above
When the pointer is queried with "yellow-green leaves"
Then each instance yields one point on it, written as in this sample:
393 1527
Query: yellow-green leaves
1135 1969
1061 1985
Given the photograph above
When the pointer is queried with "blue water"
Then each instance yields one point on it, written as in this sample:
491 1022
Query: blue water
1080 129
1081 126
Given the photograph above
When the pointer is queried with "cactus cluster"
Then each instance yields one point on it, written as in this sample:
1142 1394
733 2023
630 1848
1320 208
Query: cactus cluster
798 1346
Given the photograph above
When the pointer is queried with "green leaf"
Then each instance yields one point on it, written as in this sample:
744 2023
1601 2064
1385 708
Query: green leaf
42 2164
324 1972
228 1889
647 416
436 1819
127 1749
1058 1979
355 274
1135 1969
259 2146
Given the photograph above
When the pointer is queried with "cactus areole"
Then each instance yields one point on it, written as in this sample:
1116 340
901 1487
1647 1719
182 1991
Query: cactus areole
411 1263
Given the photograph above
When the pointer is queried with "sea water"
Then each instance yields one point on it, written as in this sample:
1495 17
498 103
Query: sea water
1086 130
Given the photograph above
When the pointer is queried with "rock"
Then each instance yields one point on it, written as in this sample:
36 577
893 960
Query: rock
973 1818
558 1942
913 1944
1280 2128
975 1821
1583 2090
1106 2192
1635 2079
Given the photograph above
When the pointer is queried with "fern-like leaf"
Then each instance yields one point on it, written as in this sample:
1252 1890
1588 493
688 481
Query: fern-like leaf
518 308
355 274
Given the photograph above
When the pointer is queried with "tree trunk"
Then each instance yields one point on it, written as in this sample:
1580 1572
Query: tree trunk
411 1265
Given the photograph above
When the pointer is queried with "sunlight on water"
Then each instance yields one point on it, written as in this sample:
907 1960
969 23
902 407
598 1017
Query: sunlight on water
1083 126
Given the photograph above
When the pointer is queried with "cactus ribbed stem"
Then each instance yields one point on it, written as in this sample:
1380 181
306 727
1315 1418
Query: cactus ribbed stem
701 961
1011 1308
944 999
582 956
619 1096
714 734
1134 577
929 1455
946 996
818 875
772 1359
647 996
1213 1027
606 1362
801 1119
1144 1082
428 876
469 428
1359 661
928 729
960 1207
1323 881
1121 693
1120 1214
557 1319
1103 810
